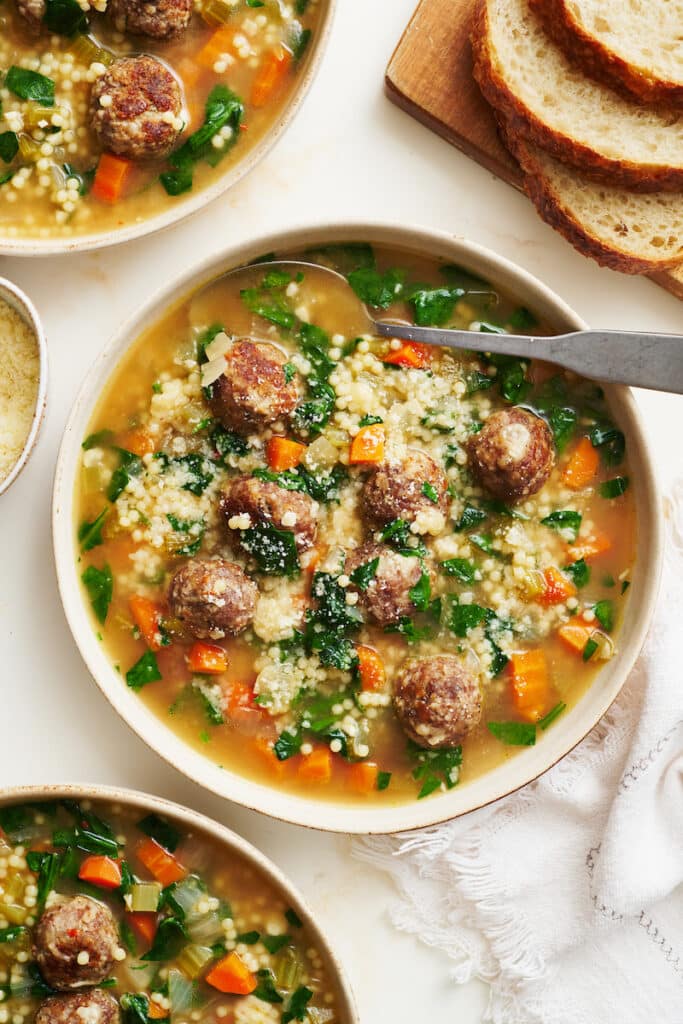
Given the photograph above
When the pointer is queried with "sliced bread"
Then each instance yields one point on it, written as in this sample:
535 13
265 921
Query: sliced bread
632 232
547 100
637 46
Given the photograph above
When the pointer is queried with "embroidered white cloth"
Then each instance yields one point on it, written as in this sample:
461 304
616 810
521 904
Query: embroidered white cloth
568 897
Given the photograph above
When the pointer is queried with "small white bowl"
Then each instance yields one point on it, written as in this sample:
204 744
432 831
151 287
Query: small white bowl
15 298
181 207
234 846
304 810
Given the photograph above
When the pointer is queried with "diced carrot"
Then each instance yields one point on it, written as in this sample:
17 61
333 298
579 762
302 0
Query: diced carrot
156 1012
207 659
222 41
268 756
144 924
575 634
529 680
362 776
368 444
370 668
159 862
147 617
413 354
241 697
101 871
110 177
556 587
282 453
316 767
138 441
582 466
231 975
591 547
270 75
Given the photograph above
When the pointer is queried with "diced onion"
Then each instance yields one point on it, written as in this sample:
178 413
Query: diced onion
212 371
220 345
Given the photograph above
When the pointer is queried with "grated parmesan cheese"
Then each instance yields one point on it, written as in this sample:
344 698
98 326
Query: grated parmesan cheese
19 378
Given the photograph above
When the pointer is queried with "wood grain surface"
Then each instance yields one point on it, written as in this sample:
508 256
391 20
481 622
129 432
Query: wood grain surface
430 77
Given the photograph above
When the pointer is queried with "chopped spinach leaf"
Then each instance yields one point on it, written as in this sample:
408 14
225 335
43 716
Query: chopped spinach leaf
461 568
564 520
99 438
29 85
287 745
368 420
223 107
579 571
377 289
421 593
273 550
265 989
226 442
297 1005
615 487
161 830
130 465
610 441
170 938
144 671
522 319
407 628
514 734
274 943
554 713
465 617
589 649
363 576
293 918
433 307
604 613
383 780
64 17
429 491
9 146
434 768
470 517
90 534
100 586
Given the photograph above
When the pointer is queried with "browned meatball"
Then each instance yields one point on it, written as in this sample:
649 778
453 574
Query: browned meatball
253 391
93 1006
387 597
265 502
212 598
513 454
135 108
436 700
71 927
33 12
158 19
405 488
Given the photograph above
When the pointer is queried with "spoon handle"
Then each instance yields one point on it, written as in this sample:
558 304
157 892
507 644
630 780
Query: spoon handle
642 360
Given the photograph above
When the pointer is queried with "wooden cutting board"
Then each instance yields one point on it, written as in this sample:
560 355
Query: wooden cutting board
430 77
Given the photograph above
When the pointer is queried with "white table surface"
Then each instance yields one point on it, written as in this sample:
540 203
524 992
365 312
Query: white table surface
349 154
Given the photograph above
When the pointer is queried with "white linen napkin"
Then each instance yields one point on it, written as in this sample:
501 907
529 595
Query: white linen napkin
567 897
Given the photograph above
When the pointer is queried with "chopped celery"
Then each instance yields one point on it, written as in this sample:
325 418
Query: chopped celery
87 51
216 12
194 959
144 897
316 1015
288 969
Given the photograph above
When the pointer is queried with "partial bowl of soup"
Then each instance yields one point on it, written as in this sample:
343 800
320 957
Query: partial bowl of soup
359 584
120 117
121 908
23 384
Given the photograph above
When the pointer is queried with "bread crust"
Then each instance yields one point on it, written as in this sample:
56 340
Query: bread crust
556 215
599 61
522 122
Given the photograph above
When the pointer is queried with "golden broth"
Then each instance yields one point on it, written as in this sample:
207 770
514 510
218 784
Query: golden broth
501 556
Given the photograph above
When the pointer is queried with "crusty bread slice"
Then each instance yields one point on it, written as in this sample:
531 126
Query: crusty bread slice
632 232
636 46
548 101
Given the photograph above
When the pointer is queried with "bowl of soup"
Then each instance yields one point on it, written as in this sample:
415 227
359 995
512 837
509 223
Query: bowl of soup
355 583
121 118
116 906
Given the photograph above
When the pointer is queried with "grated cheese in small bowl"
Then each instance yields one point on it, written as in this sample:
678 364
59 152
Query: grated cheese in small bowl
21 381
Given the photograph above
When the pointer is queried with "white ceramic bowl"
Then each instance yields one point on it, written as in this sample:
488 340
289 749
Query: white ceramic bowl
233 844
506 778
181 207
15 298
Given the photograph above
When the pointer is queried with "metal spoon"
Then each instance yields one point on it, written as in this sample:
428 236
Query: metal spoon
619 357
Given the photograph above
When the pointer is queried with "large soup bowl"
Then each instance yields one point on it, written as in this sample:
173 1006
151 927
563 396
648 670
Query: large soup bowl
231 844
179 207
303 809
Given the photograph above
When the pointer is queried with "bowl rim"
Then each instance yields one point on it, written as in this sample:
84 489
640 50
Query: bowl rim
224 835
351 818
193 202
22 304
